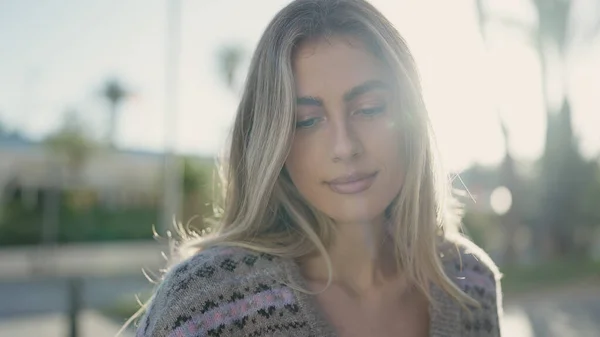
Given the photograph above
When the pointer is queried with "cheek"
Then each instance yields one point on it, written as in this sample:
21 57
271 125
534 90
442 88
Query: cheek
395 151
302 164
386 148
384 142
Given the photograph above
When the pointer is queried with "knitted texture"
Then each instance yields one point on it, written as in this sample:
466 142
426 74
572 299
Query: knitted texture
226 291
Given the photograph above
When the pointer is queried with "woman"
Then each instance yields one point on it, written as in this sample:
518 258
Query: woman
335 222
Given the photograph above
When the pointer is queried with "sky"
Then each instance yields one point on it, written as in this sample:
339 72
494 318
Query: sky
57 54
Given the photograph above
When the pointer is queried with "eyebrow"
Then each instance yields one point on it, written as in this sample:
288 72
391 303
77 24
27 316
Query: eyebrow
348 96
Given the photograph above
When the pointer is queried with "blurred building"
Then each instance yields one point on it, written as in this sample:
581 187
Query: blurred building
116 178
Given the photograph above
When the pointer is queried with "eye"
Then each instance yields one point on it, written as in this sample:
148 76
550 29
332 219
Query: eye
371 111
307 123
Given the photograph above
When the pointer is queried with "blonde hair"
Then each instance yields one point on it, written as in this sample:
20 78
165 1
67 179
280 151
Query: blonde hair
262 209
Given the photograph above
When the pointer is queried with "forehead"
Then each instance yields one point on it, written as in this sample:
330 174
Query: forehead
335 63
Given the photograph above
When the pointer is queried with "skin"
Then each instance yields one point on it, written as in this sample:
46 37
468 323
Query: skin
346 123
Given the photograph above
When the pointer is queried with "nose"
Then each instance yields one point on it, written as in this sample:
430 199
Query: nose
346 144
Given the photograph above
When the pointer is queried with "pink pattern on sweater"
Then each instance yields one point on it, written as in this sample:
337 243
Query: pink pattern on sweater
228 313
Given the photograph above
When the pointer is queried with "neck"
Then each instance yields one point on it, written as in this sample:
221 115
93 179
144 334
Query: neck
361 256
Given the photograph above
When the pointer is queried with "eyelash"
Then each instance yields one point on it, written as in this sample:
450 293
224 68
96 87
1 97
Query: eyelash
372 111
369 112
307 123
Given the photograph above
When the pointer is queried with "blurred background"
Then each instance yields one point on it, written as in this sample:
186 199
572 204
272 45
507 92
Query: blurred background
112 114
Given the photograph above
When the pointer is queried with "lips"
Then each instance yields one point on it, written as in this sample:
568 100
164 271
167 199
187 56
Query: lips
352 183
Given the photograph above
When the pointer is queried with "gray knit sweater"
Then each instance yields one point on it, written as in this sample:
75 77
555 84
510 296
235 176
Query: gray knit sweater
226 291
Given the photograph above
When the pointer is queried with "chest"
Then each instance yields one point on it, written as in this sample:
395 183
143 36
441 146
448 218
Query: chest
381 318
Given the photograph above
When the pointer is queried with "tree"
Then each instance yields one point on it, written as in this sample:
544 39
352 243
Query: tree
510 179
196 191
230 58
70 145
69 148
115 93
2 129
563 171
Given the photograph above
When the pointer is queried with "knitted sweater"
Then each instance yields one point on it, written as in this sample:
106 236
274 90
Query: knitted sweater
225 291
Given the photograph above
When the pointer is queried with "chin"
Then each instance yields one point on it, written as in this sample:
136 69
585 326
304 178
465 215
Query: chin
358 213
354 219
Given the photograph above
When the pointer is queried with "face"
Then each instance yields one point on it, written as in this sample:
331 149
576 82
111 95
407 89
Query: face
346 154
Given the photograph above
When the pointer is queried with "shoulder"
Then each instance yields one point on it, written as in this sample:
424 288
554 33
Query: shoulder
203 285
476 274
223 264
471 264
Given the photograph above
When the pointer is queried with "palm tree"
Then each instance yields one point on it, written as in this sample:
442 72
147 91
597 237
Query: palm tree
115 93
69 148
230 58
70 145
561 165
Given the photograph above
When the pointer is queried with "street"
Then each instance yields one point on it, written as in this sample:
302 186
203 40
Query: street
37 306
574 311
50 295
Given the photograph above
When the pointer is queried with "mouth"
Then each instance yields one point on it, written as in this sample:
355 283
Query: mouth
353 183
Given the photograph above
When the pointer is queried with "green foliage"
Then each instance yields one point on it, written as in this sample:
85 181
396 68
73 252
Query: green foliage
83 219
196 177
479 226
197 192
71 142
521 279
19 225
101 224
97 223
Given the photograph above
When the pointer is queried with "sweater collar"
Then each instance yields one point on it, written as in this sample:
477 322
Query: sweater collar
444 312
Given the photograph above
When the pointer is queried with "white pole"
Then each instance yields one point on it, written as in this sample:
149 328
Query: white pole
172 177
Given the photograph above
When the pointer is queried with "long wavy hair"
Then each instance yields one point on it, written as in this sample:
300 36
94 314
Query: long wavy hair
260 207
